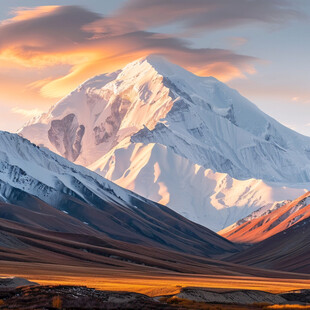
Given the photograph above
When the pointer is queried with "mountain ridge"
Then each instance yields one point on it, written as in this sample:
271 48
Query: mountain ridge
38 187
288 250
255 229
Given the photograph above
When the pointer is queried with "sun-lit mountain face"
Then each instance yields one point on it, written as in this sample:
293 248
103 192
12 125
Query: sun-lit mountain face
191 143
154 101
279 238
263 224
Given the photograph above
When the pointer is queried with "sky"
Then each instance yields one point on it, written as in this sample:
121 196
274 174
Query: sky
259 47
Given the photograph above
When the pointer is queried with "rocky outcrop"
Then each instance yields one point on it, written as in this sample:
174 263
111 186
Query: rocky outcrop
66 135
13 282
301 296
244 297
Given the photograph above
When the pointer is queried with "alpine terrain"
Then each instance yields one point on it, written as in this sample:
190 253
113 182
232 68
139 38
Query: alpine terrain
42 190
287 250
189 142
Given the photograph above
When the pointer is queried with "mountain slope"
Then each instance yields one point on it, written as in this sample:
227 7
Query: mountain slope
214 200
20 242
152 101
258 228
288 250
32 250
53 193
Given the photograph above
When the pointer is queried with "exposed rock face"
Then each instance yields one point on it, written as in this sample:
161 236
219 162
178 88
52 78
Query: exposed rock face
108 129
66 135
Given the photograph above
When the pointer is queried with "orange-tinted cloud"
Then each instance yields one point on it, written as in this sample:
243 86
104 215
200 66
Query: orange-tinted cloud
24 13
86 43
27 113
41 36
49 36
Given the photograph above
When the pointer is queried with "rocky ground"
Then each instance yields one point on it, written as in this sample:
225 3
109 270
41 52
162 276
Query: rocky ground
302 296
74 297
242 297
13 282
19 293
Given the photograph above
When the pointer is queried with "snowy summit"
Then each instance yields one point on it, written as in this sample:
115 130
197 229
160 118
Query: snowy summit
186 141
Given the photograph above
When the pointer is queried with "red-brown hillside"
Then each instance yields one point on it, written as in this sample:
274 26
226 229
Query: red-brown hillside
270 223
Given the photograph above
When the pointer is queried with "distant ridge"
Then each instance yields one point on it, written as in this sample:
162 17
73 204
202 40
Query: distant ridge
285 235
270 223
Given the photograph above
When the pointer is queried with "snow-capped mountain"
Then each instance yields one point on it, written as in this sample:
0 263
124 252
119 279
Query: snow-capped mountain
209 198
264 224
63 196
116 123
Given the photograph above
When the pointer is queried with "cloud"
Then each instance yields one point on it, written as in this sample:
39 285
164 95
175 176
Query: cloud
92 44
220 63
37 37
238 41
27 113
24 13
206 14
301 100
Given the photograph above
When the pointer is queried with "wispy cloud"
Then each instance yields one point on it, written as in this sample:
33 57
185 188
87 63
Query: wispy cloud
91 44
206 14
301 100
238 41
27 113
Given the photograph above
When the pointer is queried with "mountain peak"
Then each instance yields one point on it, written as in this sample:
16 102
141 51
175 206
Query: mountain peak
199 119
158 63
154 59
